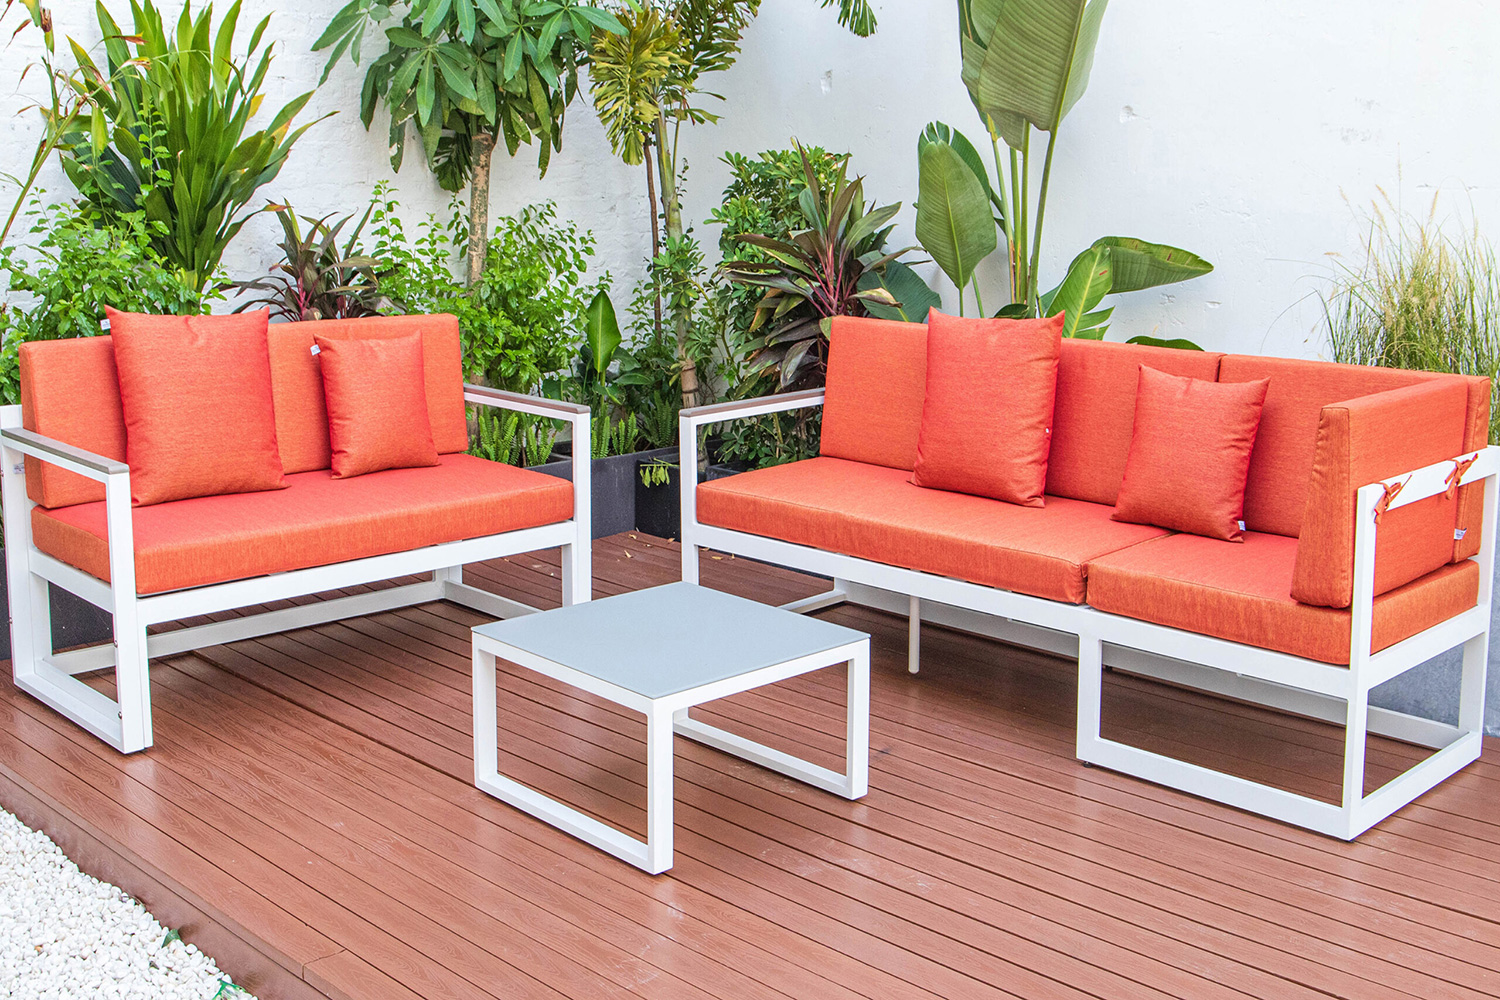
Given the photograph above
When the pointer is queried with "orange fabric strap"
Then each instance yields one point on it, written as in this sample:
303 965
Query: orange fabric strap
1460 466
1392 491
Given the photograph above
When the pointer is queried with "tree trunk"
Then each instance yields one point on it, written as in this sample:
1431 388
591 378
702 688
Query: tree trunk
655 238
483 146
671 202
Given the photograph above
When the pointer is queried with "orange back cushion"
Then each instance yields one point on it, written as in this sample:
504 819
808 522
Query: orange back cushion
1095 414
1471 497
877 377
297 382
70 391
1376 438
1281 465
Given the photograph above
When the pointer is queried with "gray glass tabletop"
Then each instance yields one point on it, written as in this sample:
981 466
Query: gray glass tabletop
670 639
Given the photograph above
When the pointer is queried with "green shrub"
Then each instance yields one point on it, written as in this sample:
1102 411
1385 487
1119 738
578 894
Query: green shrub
58 285
1420 298
520 323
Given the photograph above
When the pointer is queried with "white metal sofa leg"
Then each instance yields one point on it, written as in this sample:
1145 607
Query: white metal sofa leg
914 635
687 479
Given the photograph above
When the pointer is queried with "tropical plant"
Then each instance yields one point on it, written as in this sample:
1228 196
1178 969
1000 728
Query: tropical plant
318 279
168 131
457 72
57 287
815 274
519 323
512 438
1419 298
67 101
1026 63
645 84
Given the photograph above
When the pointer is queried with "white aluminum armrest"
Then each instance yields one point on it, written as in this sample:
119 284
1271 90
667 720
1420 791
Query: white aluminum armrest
741 409
540 406
63 455
1430 480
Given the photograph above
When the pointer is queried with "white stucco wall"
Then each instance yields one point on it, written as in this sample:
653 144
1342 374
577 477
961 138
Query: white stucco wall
1234 130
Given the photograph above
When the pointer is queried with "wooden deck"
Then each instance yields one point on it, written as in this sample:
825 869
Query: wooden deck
307 816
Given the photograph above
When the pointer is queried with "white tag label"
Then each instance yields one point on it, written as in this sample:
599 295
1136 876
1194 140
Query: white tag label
316 349
1241 524
18 468
1459 533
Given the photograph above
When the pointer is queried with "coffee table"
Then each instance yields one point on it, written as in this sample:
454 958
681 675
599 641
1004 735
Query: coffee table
661 652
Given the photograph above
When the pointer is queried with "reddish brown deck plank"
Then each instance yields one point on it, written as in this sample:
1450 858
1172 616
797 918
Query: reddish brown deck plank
307 812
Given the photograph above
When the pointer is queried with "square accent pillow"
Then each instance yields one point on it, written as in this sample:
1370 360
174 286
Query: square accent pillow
377 404
987 416
195 392
1190 454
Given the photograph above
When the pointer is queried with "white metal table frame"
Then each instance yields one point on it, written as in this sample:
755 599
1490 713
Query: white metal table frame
666 717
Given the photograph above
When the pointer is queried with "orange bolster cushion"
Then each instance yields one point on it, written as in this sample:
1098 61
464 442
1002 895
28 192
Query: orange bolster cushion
1190 454
196 395
987 416
1372 439
377 407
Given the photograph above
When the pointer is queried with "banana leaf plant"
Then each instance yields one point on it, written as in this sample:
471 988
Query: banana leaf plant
318 279
168 131
1026 63
816 274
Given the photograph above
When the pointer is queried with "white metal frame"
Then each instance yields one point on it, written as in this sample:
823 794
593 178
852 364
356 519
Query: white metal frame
125 722
666 717
1289 683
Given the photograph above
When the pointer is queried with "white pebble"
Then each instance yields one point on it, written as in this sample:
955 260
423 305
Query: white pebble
65 935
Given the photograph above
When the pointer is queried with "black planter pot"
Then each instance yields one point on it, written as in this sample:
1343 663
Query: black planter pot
613 482
658 508
75 622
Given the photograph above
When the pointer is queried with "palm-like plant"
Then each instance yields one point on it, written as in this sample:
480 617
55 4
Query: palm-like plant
168 131
816 274
319 279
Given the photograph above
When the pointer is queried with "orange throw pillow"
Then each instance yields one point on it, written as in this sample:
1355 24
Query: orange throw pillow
987 416
1190 454
196 395
377 404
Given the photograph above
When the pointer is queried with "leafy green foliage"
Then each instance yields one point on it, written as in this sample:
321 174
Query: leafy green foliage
1419 297
613 435
319 279
58 286
519 323
763 197
512 438
454 69
169 131
814 275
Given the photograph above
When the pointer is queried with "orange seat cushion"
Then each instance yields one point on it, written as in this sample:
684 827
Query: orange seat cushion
1370 439
1093 418
1471 497
1190 453
987 415
196 394
872 404
297 381
876 513
377 409
70 392
1242 592
316 521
